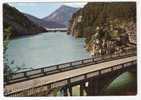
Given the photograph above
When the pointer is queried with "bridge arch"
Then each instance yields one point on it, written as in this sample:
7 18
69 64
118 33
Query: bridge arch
97 85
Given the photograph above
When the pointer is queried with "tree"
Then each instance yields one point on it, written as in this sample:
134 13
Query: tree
7 70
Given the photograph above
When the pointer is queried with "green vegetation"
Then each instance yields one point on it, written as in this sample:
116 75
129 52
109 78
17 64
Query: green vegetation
19 23
97 14
15 24
7 70
104 25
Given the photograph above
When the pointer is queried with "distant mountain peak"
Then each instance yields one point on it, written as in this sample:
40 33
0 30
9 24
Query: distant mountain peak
42 23
61 15
63 6
66 6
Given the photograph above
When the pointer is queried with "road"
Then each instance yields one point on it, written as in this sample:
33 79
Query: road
64 75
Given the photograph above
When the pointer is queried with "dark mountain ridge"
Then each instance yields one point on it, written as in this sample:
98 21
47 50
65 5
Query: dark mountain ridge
19 24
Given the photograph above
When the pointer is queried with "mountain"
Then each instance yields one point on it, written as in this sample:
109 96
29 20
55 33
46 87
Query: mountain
61 15
43 23
107 26
19 24
97 13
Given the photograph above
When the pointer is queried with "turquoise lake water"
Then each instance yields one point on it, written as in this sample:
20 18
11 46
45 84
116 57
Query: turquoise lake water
45 49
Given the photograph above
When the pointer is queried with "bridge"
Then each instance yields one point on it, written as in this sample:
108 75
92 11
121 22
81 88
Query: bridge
56 29
100 70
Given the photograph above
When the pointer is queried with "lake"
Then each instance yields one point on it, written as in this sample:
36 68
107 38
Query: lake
45 49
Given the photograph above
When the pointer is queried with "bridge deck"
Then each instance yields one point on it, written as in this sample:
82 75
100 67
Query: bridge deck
64 75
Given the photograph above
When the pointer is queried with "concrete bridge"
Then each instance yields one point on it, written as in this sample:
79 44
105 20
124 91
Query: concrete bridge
56 29
97 72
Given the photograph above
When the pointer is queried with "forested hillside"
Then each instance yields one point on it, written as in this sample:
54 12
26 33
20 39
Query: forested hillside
106 26
17 23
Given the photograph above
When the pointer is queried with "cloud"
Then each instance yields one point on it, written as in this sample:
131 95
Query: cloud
30 4
76 4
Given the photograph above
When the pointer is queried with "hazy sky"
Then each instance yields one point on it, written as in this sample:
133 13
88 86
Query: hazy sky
41 10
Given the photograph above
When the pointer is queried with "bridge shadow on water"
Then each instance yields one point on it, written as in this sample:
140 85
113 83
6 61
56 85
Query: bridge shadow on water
125 84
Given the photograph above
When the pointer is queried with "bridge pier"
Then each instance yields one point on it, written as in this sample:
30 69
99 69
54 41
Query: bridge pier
82 88
93 87
64 91
70 90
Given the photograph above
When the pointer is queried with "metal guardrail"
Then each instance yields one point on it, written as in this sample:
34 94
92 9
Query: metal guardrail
46 87
25 75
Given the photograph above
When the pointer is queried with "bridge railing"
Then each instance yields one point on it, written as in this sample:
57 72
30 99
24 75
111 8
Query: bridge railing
83 77
20 76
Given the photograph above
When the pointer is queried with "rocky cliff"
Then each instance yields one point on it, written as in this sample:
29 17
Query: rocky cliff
107 27
19 24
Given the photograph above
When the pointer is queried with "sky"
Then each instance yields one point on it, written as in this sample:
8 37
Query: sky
41 10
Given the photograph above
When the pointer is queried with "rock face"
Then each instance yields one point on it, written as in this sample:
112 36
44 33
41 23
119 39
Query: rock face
43 23
107 27
62 15
20 25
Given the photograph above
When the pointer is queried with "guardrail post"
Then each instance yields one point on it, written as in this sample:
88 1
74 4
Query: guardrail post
25 74
82 61
103 57
70 64
42 70
57 66
99 72
93 59
112 68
